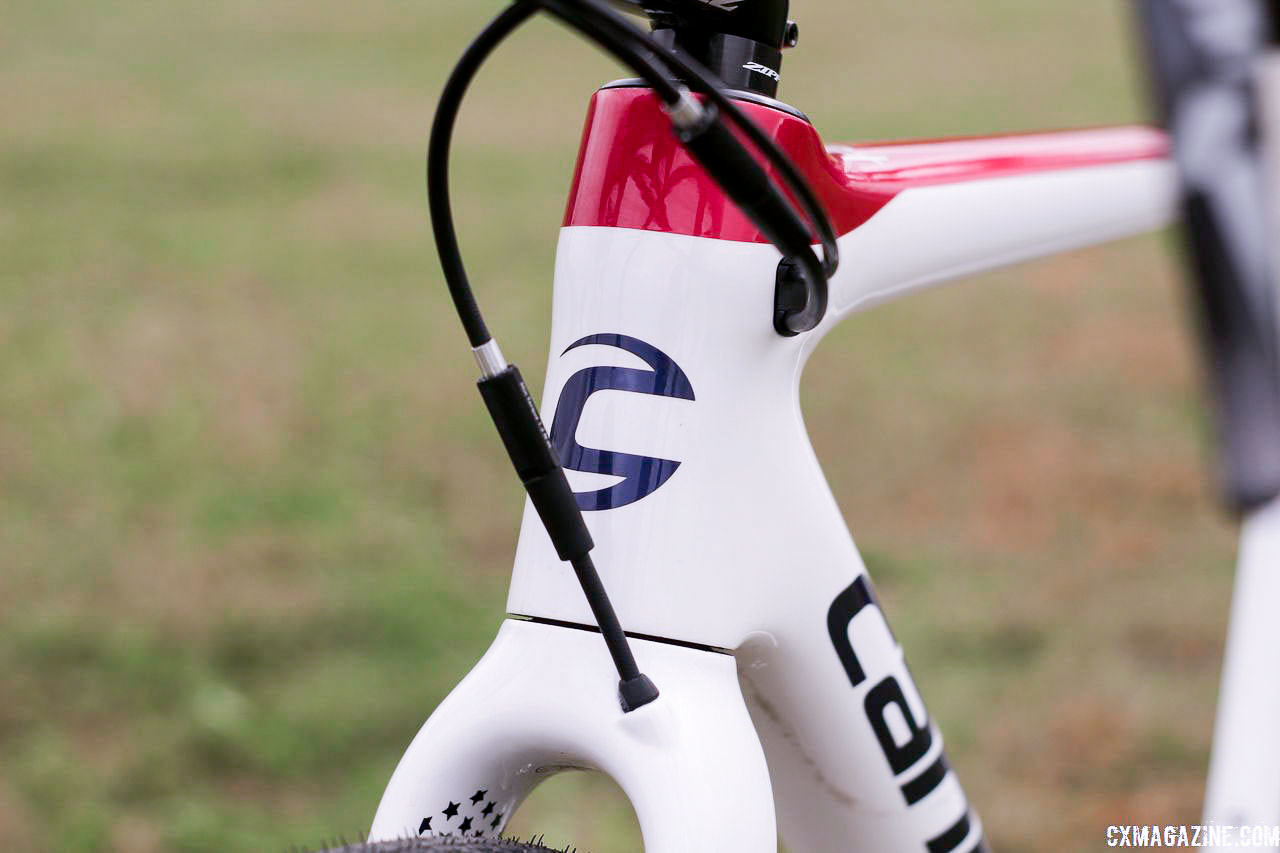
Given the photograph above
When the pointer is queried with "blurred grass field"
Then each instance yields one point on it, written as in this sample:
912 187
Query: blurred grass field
253 523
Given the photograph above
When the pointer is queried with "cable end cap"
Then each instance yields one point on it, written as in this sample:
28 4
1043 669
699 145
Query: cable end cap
636 692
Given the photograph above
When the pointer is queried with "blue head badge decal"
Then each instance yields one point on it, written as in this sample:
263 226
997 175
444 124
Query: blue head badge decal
641 474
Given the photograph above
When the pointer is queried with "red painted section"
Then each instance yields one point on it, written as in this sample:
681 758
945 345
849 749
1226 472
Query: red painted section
632 173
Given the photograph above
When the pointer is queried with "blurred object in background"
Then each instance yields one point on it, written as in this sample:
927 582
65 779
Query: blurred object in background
1268 76
1204 55
1219 94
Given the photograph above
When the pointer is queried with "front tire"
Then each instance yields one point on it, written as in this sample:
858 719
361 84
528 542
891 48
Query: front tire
445 844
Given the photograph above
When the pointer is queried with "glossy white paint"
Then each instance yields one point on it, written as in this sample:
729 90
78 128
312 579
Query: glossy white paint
743 547
749 496
544 699
933 234
1244 774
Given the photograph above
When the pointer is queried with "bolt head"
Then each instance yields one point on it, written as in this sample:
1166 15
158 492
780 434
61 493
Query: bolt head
790 34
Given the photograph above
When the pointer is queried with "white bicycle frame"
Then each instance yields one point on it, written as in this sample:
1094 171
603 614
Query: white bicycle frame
786 702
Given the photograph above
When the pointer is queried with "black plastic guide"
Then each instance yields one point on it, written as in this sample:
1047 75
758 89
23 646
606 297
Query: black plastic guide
517 420
516 417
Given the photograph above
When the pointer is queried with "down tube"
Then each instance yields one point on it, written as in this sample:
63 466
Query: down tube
865 712
954 229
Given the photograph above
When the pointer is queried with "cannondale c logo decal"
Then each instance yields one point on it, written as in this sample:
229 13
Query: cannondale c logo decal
641 474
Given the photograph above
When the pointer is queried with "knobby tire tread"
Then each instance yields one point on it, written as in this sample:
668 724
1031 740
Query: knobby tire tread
449 844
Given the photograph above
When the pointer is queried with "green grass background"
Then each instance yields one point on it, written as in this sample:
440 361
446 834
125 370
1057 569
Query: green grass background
253 523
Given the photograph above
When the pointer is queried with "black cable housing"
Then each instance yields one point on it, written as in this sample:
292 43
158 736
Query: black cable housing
643 62
455 274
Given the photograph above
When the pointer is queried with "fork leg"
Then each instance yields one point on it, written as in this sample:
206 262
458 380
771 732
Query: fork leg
543 699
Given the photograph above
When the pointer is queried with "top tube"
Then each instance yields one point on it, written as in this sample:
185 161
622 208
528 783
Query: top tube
632 173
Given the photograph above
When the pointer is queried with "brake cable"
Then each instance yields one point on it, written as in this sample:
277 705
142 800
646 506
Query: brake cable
707 139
